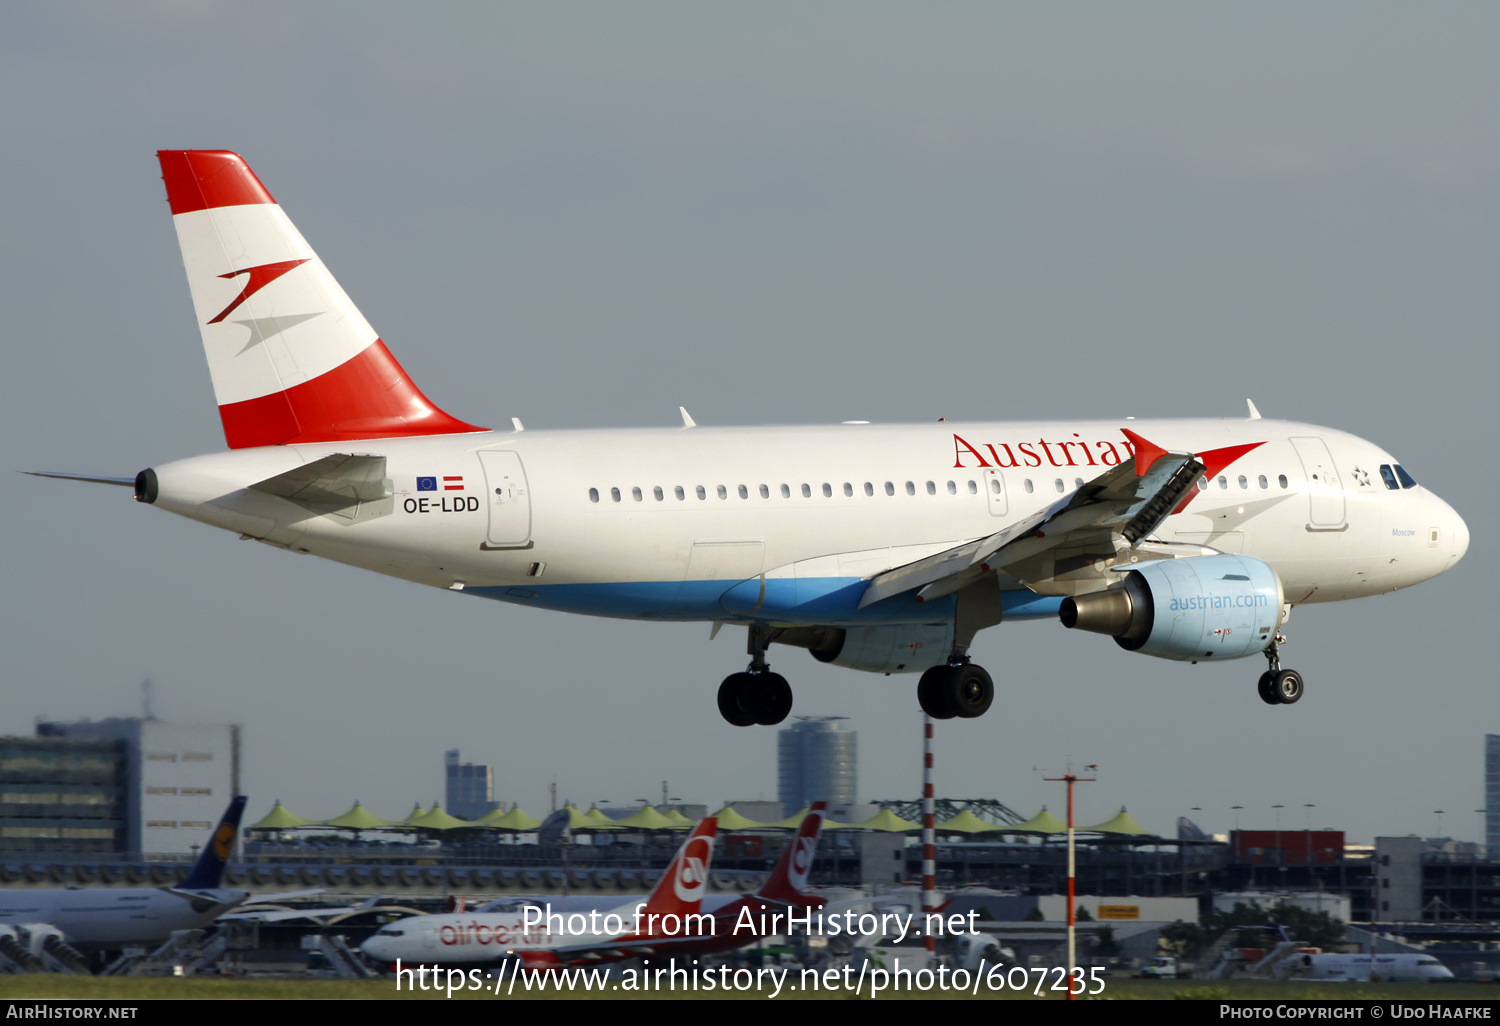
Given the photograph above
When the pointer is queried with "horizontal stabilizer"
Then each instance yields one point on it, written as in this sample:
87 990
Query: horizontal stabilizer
127 482
336 481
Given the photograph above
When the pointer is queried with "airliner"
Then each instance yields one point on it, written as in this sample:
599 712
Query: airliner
501 929
882 548
668 917
112 916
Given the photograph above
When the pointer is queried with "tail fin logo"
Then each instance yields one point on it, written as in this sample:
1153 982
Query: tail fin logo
692 872
223 838
260 276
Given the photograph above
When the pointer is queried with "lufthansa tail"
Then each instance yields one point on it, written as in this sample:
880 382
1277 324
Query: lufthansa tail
292 359
208 872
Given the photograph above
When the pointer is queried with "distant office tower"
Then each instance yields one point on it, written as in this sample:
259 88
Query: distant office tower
471 788
63 794
177 778
816 761
1492 793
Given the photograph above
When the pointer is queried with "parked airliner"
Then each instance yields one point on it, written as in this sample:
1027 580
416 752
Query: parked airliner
502 929
112 916
879 548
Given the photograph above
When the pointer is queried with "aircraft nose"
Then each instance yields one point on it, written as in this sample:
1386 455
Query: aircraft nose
1460 538
1454 533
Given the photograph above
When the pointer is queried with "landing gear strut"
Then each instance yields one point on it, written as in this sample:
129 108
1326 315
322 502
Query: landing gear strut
757 695
1278 686
960 688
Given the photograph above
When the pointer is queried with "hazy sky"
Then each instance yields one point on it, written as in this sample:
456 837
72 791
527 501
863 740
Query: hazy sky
585 215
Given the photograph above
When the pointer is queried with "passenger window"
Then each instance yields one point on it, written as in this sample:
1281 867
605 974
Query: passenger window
614 493
890 489
995 485
1244 482
1029 486
593 495
911 489
1389 477
744 492
1203 484
679 493
1223 481
1078 482
701 493
635 493
765 491
848 488
931 488
723 492
786 491
827 490
1263 482
660 495
1058 484
869 488
806 491
1406 479
973 488
952 488
1281 479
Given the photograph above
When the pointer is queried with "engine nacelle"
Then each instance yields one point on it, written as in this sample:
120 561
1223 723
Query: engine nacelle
1201 607
902 648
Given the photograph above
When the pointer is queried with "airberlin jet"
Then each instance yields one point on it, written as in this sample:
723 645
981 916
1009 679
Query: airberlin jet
878 548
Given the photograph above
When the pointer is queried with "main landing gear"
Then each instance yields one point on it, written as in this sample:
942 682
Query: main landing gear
757 695
1278 686
960 688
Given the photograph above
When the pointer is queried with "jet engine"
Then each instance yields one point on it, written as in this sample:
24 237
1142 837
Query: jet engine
902 648
1202 607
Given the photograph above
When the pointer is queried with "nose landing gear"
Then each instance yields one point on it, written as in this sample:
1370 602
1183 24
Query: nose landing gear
1278 686
756 695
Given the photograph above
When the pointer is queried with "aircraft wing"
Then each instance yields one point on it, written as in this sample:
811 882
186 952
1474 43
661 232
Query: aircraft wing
1113 512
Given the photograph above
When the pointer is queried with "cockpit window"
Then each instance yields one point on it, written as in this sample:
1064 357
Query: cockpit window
1406 479
1389 477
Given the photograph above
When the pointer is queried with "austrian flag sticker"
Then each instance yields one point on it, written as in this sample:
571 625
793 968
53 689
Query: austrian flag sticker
450 484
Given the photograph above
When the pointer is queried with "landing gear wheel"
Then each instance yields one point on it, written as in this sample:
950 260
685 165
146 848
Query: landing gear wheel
930 693
1264 686
734 699
1287 686
770 698
968 691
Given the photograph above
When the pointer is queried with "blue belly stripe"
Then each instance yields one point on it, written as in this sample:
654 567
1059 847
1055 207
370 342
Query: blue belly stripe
823 601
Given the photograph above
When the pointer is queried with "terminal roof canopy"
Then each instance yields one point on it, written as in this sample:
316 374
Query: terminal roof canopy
730 819
437 819
885 820
968 823
514 821
1042 823
648 819
358 819
280 819
1121 824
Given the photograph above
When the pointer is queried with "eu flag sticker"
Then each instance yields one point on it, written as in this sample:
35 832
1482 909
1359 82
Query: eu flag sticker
426 484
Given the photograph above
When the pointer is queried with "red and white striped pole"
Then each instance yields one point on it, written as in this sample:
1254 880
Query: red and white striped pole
929 841
1072 876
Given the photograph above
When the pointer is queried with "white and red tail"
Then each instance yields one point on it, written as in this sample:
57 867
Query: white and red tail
292 359
790 875
681 888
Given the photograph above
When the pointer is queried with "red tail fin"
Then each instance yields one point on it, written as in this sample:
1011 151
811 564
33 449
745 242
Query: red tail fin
292 359
681 888
790 875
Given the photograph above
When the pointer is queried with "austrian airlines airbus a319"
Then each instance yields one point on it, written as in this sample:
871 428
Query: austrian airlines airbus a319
879 548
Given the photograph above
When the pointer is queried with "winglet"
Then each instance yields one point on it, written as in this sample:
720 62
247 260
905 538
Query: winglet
1146 453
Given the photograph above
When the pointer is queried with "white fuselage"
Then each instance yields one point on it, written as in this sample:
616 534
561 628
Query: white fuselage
661 524
1405 968
96 916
